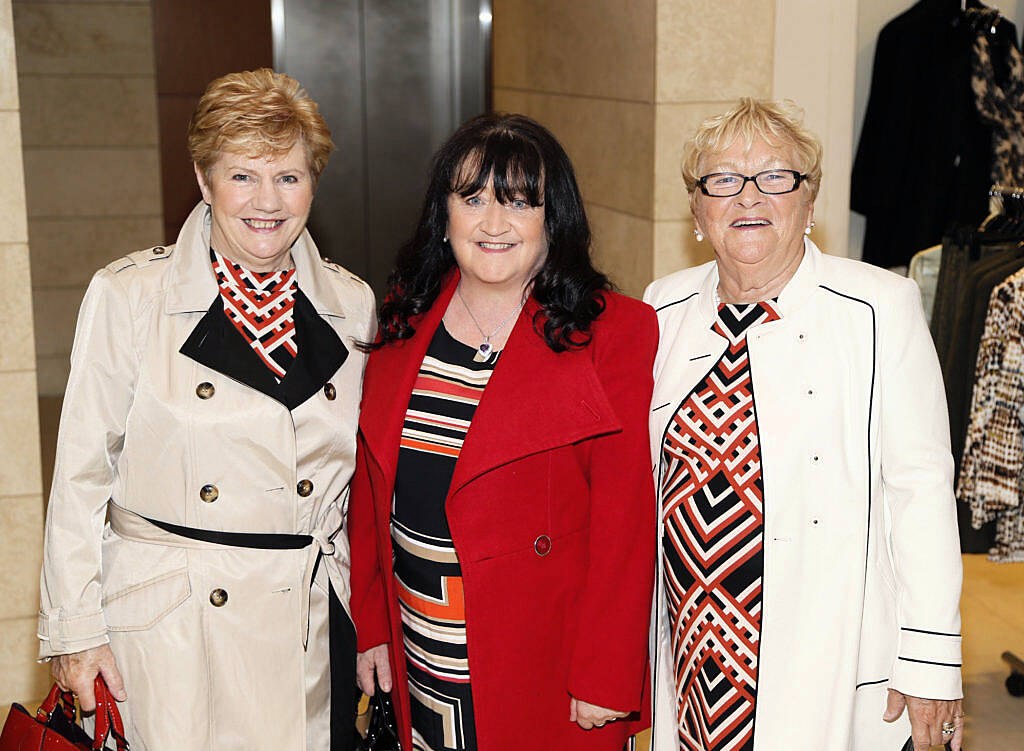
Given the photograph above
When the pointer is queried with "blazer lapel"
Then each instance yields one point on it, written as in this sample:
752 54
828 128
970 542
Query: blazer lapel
536 400
390 374
688 348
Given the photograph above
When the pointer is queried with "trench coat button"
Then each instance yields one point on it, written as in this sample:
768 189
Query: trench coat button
304 488
330 392
542 545
218 597
159 251
205 390
208 493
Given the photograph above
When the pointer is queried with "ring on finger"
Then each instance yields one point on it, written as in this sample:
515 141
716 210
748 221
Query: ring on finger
948 728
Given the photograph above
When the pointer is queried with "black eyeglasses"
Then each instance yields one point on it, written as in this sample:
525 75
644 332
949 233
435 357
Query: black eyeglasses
772 182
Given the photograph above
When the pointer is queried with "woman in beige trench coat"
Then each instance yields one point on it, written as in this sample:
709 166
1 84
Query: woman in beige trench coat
195 549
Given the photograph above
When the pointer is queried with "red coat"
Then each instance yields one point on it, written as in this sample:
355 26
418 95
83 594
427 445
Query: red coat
558 447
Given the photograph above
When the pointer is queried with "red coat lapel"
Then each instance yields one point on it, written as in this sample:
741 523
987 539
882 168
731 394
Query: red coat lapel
535 401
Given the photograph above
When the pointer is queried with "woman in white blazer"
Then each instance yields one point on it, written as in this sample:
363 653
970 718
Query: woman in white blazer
195 553
809 572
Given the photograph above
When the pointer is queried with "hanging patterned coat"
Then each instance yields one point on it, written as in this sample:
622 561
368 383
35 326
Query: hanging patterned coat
862 574
167 416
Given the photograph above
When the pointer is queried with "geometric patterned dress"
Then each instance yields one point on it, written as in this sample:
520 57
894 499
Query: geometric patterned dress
713 516
444 398
261 306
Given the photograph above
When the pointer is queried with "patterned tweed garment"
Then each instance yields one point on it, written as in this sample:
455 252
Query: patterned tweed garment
1000 105
713 513
261 306
992 467
444 398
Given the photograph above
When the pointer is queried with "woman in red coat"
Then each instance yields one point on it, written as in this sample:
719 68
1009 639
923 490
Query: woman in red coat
502 516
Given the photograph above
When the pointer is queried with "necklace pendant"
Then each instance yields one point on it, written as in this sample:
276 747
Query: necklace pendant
485 349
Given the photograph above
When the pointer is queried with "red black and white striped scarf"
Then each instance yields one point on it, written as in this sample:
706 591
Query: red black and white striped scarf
262 307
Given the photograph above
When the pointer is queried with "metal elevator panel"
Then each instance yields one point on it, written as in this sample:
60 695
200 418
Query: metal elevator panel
393 78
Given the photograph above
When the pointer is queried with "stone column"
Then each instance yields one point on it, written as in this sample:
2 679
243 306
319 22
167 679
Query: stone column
624 83
21 502
708 55
92 156
586 70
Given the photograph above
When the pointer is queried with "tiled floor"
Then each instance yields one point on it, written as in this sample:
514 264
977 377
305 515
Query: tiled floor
993 622
992 608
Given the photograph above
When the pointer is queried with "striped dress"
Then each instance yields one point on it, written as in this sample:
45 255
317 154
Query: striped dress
445 396
713 512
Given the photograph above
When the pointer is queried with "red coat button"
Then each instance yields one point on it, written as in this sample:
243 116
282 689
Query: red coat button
542 545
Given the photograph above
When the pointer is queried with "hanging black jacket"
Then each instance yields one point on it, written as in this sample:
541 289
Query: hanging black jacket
923 160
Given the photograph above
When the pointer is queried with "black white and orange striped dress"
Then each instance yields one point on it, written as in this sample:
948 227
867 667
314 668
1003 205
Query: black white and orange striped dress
713 512
445 396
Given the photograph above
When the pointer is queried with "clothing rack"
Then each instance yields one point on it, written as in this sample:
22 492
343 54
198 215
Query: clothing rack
1005 202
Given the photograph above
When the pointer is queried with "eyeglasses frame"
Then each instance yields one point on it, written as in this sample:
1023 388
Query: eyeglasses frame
702 182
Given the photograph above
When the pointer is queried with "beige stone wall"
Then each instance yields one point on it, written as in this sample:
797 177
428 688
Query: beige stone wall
88 109
585 69
622 84
815 66
21 502
709 54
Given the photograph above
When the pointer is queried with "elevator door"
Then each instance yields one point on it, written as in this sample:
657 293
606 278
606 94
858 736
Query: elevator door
393 79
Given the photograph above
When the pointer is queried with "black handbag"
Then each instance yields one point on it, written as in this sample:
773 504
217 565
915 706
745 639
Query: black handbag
382 735
909 746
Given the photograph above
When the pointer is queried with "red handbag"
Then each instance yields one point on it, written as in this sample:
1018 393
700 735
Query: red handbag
54 728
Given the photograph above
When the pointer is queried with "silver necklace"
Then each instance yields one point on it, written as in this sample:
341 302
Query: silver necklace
485 347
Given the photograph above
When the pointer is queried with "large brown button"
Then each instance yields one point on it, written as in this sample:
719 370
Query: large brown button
542 545
218 598
305 487
205 390
330 392
208 493
159 251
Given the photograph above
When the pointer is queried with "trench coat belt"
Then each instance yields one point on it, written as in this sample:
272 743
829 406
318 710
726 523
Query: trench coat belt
133 526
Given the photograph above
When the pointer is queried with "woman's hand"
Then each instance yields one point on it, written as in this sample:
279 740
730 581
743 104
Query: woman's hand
77 671
375 659
926 719
588 715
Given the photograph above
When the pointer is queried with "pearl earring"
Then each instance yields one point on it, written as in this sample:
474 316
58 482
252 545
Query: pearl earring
807 229
699 235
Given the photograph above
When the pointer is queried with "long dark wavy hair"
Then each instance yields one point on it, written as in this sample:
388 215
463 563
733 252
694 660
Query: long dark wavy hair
525 162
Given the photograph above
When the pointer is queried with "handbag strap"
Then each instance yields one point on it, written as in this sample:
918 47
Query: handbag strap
108 719
56 698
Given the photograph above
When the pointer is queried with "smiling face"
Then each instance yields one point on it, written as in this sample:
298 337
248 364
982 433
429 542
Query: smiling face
259 206
500 245
753 233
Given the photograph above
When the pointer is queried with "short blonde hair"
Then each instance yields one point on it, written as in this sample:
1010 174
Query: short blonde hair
777 123
258 113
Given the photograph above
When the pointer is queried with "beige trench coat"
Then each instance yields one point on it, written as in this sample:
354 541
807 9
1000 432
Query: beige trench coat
136 429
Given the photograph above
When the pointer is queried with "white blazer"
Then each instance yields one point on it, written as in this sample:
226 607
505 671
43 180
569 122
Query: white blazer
862 568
